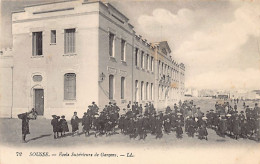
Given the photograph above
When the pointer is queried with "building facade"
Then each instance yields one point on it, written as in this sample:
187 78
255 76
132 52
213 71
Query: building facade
68 54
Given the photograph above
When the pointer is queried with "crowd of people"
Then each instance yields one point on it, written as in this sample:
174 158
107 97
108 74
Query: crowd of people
137 121
227 120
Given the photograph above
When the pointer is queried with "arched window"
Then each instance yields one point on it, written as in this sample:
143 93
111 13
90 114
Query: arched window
70 86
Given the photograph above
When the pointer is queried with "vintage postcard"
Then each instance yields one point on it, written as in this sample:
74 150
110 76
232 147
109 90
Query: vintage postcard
131 81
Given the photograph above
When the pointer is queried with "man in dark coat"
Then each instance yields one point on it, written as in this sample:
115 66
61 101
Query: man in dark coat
248 112
167 125
191 127
131 128
86 123
140 109
59 125
121 123
146 125
25 126
236 127
222 127
129 105
140 127
235 107
75 124
203 133
258 130
158 127
229 124
55 129
64 125
152 122
245 129
256 111
175 108
179 130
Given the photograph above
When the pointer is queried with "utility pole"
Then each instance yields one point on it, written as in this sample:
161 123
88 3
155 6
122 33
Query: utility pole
12 68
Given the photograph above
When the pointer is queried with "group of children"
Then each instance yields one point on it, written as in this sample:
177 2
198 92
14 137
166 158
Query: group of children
136 121
60 126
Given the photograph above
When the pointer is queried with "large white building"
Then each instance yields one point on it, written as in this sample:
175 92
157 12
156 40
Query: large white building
68 54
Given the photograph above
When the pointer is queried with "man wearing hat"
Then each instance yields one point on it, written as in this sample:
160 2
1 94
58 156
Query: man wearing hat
191 127
25 125
175 108
258 129
139 127
95 107
222 127
131 128
236 127
121 123
75 124
96 125
256 111
235 107
64 125
54 123
146 124
167 125
86 123
146 110
129 105
140 109
179 130
248 112
158 127
203 133
241 116
152 122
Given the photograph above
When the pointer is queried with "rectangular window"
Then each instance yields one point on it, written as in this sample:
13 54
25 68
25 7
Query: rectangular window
136 56
123 46
69 41
159 70
53 36
111 87
151 92
70 86
151 63
142 59
111 44
162 93
162 71
142 90
37 43
147 62
122 87
146 91
159 92
136 90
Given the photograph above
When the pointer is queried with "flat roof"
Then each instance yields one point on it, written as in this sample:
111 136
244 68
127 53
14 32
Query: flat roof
47 3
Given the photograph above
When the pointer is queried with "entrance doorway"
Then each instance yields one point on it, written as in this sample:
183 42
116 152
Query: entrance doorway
39 101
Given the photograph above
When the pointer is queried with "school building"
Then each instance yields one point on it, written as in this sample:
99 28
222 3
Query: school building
67 54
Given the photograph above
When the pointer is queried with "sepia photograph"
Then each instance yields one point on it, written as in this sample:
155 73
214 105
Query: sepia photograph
133 81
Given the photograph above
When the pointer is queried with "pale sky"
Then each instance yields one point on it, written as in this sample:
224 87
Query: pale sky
216 40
